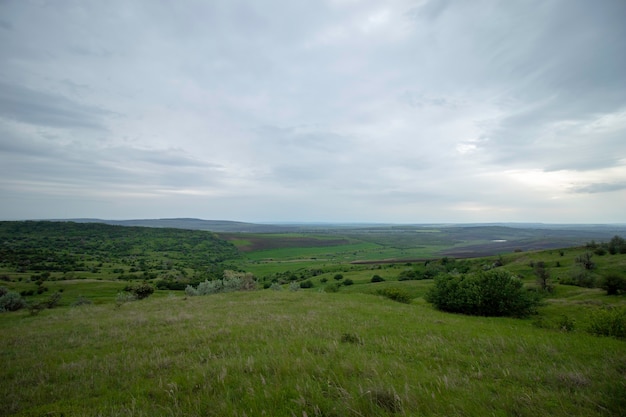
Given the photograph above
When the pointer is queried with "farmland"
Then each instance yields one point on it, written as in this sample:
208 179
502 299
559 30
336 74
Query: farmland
339 347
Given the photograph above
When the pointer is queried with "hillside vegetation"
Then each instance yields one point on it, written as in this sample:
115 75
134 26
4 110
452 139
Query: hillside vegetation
313 334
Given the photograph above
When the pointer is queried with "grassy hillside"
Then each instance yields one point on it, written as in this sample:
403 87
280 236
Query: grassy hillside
300 353
338 348
53 251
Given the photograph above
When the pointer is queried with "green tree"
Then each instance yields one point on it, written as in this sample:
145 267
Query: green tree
585 261
617 245
613 284
487 293
543 276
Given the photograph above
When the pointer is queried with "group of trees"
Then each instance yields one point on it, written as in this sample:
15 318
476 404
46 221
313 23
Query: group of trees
616 245
67 246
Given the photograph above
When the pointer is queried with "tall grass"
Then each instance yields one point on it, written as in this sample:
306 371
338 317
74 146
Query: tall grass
299 353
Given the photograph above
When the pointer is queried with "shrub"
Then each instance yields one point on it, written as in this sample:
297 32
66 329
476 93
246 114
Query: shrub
11 301
407 275
348 282
377 278
324 280
617 245
543 277
124 297
338 277
566 324
191 291
487 293
170 285
395 294
140 291
51 302
81 301
613 284
579 277
608 322
276 286
585 261
331 288
294 286
231 281
306 284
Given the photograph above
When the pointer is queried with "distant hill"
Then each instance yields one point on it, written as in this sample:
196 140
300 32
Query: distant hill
222 226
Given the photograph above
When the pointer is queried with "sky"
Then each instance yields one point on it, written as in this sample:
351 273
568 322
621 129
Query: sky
418 111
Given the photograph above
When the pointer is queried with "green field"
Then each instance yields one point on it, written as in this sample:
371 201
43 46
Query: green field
338 348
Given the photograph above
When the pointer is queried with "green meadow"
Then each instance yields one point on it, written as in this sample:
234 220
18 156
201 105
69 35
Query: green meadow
337 347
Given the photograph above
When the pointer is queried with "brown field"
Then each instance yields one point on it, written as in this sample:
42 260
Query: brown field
268 241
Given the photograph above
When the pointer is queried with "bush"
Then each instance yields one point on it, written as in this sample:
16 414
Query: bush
51 302
81 301
140 291
231 281
332 288
170 285
306 284
124 297
487 293
395 294
579 277
276 286
608 322
191 291
377 278
617 245
613 284
348 282
11 301
294 286
407 275
585 261
566 324
338 277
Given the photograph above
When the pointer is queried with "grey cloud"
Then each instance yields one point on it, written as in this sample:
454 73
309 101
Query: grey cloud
392 111
45 109
419 100
600 188
430 10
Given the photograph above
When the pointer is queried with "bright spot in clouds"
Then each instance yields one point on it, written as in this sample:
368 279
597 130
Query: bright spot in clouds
402 111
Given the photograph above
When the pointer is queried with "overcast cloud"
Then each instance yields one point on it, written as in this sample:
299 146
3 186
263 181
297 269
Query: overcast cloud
339 110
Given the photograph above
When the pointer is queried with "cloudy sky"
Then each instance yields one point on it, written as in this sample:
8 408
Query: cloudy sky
400 111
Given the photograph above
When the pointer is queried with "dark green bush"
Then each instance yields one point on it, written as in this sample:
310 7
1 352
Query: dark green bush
306 284
338 277
172 285
377 278
140 291
396 294
616 245
348 282
407 275
487 293
613 284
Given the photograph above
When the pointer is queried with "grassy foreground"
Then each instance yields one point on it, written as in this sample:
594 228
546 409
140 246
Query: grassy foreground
299 354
